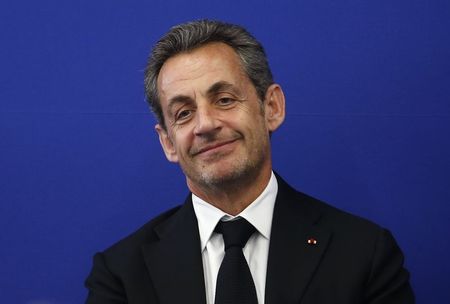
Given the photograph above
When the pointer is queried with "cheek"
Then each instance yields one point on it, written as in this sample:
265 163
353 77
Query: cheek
245 108
244 114
181 139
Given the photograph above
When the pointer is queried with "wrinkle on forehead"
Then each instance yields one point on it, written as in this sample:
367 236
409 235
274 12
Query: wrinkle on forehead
195 63
192 67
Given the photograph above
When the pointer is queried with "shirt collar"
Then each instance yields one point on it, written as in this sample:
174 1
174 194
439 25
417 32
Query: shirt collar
259 213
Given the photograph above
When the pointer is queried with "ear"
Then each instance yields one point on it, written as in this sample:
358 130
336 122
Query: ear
166 144
274 107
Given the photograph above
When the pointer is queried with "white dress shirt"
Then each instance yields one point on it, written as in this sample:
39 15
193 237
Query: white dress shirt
259 213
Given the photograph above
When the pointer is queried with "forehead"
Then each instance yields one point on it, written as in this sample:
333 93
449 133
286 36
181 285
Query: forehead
198 68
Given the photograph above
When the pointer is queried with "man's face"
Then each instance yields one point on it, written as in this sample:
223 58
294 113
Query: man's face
216 127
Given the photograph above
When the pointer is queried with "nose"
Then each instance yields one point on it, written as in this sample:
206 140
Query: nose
206 121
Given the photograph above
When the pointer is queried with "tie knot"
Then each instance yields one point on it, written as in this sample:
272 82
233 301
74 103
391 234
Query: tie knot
235 233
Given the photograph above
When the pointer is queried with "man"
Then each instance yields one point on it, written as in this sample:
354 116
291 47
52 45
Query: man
212 91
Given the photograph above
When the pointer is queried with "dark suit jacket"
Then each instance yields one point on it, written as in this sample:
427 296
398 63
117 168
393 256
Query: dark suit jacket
353 261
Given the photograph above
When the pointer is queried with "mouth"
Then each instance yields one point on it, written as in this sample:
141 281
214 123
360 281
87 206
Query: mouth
214 147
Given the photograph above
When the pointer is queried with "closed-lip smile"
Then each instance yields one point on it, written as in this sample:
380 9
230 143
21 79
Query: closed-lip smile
213 146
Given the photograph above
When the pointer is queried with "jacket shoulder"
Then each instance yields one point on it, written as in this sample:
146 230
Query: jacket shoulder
317 211
131 244
341 221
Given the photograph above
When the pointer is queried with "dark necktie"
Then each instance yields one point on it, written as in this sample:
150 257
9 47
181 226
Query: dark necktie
234 281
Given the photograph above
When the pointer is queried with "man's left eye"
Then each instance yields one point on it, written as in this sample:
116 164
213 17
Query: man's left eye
225 101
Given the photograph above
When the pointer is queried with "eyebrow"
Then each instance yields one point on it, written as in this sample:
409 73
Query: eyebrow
222 86
177 100
213 90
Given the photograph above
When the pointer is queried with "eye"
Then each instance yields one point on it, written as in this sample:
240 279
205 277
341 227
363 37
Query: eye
183 115
225 101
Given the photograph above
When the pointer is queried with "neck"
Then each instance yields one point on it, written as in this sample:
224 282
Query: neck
234 196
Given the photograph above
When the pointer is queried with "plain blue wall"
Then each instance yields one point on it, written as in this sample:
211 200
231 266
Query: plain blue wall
367 128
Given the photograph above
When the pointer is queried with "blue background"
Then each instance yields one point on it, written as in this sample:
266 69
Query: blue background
367 129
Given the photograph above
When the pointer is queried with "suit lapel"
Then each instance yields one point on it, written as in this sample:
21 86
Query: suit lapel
174 261
296 246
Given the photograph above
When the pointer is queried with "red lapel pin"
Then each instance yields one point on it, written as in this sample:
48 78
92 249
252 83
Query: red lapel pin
312 241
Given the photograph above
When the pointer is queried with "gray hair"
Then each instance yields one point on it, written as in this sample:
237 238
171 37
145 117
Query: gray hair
188 36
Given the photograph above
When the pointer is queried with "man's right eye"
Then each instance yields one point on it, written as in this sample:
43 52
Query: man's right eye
183 114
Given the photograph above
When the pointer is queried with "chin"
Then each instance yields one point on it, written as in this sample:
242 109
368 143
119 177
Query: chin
228 174
217 178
